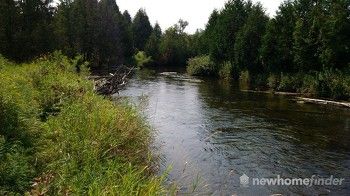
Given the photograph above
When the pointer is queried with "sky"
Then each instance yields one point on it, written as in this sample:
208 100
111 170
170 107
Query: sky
196 12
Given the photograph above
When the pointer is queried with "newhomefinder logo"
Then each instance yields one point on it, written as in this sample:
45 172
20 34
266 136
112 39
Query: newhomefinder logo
278 181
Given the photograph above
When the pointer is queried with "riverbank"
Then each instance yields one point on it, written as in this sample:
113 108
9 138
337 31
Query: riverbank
58 137
333 84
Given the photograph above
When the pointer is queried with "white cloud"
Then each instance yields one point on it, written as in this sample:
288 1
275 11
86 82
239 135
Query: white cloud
196 12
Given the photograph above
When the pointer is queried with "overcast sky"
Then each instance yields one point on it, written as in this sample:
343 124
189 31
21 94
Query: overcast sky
196 12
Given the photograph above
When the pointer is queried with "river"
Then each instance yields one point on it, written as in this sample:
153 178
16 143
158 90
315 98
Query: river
211 133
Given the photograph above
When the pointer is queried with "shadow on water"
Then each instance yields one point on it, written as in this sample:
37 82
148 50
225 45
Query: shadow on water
212 133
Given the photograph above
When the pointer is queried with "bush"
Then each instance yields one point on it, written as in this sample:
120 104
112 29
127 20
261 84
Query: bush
333 84
244 77
200 66
310 85
142 59
290 83
272 81
226 70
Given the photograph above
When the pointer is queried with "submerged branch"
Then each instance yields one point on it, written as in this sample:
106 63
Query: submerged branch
323 102
112 83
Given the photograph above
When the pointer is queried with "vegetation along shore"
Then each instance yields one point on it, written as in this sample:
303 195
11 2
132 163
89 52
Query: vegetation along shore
59 138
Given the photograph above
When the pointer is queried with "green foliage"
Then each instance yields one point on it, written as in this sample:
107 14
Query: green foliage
95 29
55 129
332 84
248 40
303 37
223 27
97 139
277 43
142 59
290 83
272 81
226 70
141 29
16 168
200 66
245 77
153 43
25 29
174 46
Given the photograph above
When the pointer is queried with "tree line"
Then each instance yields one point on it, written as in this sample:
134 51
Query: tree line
305 36
97 30
305 47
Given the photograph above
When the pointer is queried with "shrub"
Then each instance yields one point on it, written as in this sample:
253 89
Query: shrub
272 81
142 59
259 81
226 70
290 83
200 66
333 84
244 77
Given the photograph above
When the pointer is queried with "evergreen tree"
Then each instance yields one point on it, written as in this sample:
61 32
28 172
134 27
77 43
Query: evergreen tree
9 26
277 45
152 45
125 25
248 41
26 29
141 29
335 39
127 17
109 41
306 35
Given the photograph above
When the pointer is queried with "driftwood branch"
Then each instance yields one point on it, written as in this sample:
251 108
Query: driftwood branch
112 83
323 102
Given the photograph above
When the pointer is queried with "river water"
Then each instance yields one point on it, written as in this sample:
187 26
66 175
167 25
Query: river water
210 132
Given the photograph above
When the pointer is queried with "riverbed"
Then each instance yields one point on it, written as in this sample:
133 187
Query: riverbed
209 133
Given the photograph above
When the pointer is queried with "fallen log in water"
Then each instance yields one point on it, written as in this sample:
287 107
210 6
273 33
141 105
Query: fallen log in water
112 83
272 92
323 102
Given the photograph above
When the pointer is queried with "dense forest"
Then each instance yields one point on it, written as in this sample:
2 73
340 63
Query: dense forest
304 48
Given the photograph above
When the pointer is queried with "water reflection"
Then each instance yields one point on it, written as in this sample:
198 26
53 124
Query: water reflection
211 129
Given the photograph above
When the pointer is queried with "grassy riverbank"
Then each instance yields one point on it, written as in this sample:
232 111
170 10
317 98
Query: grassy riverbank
58 137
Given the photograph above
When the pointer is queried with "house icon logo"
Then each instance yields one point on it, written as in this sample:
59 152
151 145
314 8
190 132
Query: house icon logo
244 180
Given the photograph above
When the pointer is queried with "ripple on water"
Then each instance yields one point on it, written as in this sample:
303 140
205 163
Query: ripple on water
213 130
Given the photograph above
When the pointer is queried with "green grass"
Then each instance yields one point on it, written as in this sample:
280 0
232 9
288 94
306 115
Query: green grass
58 137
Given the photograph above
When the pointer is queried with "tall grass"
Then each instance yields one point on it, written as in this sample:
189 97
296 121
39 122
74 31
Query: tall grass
58 137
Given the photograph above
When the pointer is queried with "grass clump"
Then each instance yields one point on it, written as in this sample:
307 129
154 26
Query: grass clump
58 137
